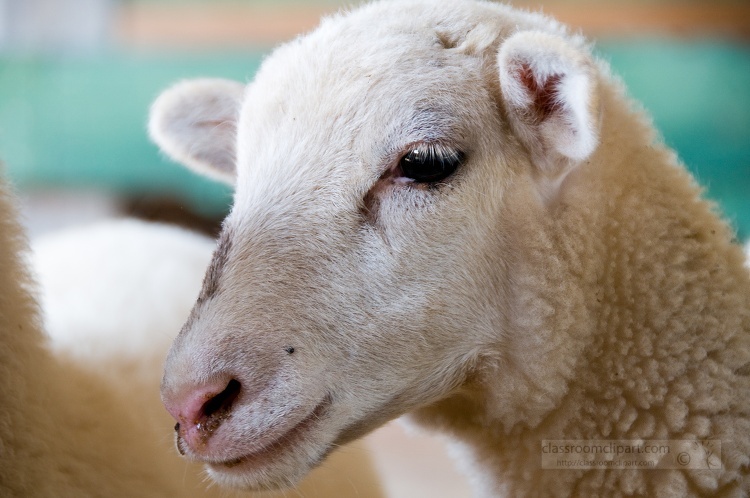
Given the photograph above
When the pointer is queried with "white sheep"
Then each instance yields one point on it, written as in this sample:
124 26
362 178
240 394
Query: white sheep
80 413
452 209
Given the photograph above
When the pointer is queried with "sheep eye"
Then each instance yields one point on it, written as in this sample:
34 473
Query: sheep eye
430 163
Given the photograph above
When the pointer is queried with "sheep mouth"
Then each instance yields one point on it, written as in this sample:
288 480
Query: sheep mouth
274 449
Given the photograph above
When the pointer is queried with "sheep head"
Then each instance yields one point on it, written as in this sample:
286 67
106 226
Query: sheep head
363 270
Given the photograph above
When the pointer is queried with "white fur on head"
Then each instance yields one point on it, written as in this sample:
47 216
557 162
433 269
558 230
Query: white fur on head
195 123
550 90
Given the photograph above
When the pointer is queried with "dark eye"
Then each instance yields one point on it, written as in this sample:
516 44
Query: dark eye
430 163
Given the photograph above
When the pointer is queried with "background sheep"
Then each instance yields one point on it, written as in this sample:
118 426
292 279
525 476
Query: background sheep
451 209
63 431
81 414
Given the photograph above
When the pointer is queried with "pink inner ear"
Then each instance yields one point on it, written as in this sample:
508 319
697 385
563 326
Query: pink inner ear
544 94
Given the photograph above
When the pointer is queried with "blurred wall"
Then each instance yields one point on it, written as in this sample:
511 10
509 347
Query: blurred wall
77 78
34 26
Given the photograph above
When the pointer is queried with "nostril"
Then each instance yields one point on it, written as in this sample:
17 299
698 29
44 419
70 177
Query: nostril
220 405
201 410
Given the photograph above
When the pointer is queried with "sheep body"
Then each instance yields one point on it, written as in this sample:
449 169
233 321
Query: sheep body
567 282
63 431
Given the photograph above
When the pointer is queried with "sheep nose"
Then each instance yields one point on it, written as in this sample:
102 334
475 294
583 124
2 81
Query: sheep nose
200 412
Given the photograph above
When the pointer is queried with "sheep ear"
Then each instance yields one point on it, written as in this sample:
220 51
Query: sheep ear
550 91
195 123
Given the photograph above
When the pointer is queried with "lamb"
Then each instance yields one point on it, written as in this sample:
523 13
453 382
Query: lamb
452 210
80 409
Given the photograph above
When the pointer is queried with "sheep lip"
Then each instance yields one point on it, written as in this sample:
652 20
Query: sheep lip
269 451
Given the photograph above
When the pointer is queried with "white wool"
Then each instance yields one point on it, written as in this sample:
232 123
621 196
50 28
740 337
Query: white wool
102 260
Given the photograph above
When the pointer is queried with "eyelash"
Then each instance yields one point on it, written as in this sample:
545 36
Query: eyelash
429 163
449 159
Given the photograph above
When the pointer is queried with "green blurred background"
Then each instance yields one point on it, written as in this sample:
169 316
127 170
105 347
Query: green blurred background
74 116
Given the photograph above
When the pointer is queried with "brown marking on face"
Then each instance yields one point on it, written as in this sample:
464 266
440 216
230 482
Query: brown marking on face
368 210
212 277
446 40
216 268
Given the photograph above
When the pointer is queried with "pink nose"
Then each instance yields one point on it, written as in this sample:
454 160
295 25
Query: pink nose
200 412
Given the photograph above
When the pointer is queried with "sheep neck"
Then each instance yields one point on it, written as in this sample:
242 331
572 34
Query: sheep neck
636 295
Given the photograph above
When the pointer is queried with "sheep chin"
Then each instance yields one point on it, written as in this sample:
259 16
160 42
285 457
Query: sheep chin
284 467
282 463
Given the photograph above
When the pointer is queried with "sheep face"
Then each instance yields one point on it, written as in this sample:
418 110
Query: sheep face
362 270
